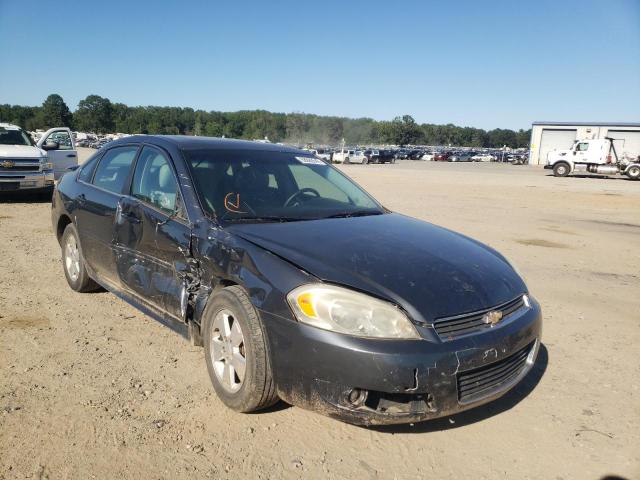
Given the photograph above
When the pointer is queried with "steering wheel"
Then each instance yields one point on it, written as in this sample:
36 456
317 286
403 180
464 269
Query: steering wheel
302 191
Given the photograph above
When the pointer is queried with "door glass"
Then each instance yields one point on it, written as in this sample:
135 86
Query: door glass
87 169
62 138
583 147
113 169
154 181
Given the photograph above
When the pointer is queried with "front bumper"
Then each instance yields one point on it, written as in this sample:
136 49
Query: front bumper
375 382
12 182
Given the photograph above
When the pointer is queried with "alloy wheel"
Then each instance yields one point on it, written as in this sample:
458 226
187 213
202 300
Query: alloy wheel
228 354
72 258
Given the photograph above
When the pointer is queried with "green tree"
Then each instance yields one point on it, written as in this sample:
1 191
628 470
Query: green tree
95 114
55 112
335 130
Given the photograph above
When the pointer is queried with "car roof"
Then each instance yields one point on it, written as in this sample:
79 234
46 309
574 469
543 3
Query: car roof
3 124
188 142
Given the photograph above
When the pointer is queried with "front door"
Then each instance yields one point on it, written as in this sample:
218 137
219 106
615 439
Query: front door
64 155
152 238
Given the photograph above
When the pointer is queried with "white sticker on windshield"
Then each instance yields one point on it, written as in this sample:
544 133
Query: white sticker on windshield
310 160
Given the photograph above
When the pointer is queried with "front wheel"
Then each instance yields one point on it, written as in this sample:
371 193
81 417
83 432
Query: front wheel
633 172
73 262
561 169
236 352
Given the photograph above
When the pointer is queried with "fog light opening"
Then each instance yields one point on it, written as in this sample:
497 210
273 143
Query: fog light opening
356 397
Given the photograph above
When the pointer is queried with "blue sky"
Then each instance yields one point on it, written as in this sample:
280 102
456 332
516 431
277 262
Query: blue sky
474 63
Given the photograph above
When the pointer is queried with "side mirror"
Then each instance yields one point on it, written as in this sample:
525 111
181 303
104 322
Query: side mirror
51 145
574 152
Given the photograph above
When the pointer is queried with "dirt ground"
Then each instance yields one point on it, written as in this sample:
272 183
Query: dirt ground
91 388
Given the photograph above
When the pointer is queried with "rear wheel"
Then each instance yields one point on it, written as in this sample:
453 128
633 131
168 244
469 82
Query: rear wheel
236 352
73 262
633 172
561 169
365 161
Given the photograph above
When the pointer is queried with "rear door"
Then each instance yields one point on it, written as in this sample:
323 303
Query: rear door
152 235
65 155
97 205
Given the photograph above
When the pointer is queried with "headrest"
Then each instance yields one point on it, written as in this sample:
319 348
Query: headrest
164 177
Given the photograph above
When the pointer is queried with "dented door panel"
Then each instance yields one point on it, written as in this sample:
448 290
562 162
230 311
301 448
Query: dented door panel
151 253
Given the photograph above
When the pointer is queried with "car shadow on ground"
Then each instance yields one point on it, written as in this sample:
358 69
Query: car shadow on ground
24 197
508 401
593 175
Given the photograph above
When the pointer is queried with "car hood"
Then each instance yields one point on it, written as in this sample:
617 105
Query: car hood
21 151
430 271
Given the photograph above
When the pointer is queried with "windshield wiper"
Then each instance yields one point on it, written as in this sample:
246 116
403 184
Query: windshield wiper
355 213
265 219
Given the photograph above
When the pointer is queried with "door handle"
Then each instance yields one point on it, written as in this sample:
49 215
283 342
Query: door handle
71 155
130 217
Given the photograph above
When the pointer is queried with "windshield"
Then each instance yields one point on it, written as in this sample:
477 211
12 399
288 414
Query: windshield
255 185
14 136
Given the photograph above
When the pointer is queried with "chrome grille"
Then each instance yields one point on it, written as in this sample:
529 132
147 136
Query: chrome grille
17 165
483 381
449 328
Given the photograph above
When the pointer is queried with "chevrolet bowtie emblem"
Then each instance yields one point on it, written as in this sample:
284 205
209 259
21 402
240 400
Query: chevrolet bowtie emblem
7 164
492 318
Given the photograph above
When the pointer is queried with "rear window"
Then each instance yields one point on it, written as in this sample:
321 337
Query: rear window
113 170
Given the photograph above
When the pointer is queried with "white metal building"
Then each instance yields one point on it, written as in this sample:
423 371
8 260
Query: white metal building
547 136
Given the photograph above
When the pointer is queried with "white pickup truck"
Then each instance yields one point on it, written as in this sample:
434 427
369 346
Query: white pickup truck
25 165
594 156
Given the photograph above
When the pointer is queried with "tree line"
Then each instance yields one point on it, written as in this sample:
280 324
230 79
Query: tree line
99 115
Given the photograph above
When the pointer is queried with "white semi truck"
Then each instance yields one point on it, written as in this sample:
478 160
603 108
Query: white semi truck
597 156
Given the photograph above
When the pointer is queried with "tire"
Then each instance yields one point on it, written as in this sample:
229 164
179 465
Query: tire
633 172
365 161
561 169
256 389
73 263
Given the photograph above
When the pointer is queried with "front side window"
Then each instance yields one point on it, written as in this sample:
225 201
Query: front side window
583 147
246 185
154 181
113 170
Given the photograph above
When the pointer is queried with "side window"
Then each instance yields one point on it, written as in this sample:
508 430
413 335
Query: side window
154 181
87 169
583 147
62 138
113 169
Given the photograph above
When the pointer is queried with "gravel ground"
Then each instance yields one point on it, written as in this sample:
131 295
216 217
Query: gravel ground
91 388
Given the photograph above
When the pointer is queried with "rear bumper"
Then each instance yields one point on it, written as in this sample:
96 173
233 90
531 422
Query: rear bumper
548 167
395 381
26 181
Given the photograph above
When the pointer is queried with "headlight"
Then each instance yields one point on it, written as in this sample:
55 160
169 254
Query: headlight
345 311
46 165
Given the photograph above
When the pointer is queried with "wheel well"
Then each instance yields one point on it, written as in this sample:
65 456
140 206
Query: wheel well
63 221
